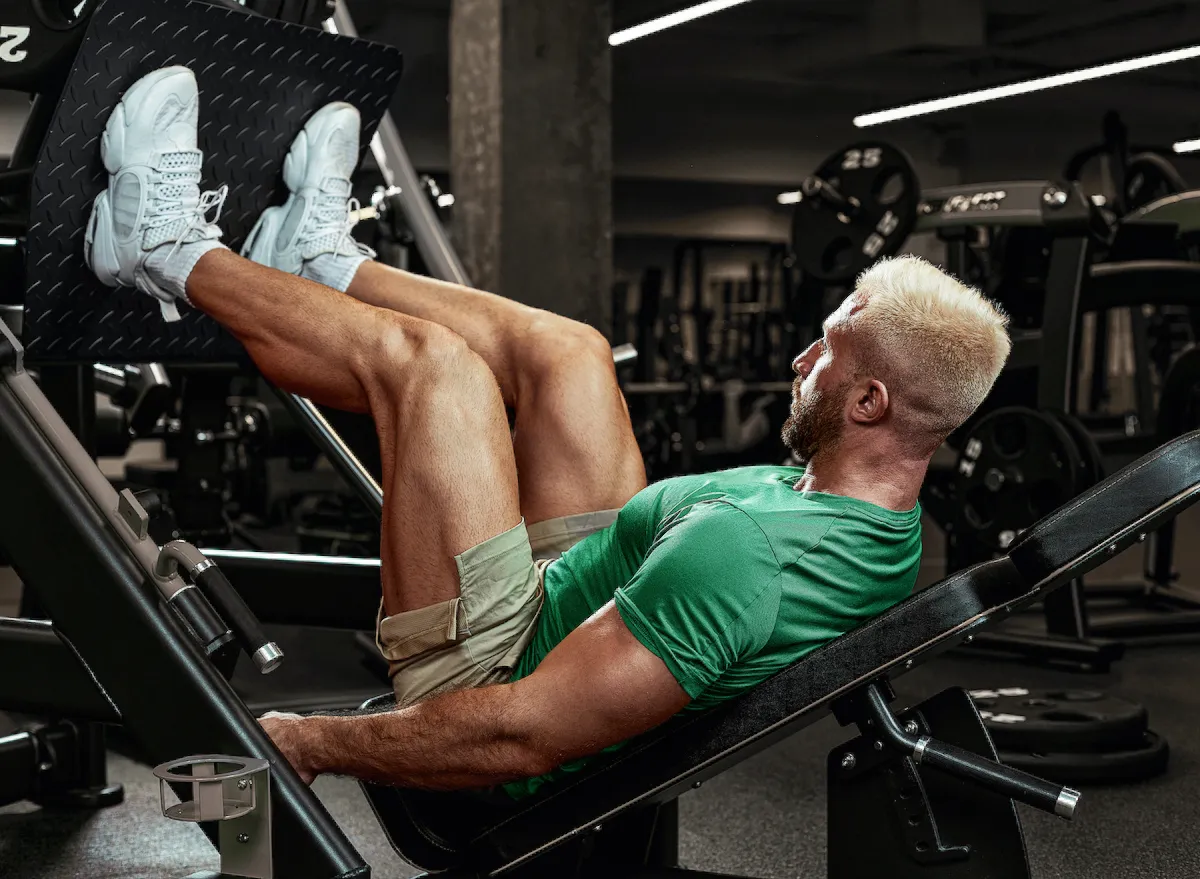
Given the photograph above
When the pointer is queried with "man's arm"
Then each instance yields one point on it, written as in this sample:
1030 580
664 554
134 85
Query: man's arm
598 687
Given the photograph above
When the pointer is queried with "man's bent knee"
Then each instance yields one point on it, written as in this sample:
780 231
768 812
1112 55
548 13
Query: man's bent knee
555 344
413 351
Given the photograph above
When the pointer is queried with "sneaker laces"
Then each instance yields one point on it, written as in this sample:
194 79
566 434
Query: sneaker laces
330 221
181 211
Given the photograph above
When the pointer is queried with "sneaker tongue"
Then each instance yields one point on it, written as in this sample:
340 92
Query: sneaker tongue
180 173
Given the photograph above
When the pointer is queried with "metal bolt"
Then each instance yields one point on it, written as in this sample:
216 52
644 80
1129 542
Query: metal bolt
911 727
1112 549
969 639
1141 538
696 786
45 767
878 745
907 664
848 761
597 828
243 837
994 479
243 784
1054 197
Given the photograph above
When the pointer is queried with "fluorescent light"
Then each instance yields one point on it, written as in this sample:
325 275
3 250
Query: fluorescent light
445 200
1186 146
924 108
789 197
675 18
286 557
8 242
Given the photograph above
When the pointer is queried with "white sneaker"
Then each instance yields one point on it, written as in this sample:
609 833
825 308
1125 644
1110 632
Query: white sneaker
317 217
153 198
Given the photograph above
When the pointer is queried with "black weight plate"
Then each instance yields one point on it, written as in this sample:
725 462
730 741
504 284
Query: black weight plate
1040 721
1016 466
1104 767
1091 459
833 247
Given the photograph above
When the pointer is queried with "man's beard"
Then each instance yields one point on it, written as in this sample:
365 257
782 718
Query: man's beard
816 425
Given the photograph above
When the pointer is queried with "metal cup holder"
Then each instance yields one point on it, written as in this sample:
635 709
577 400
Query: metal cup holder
234 791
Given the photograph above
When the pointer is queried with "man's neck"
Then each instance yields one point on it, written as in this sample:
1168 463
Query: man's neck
889 481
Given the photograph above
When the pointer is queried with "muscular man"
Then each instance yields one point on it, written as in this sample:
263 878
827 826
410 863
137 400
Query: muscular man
512 665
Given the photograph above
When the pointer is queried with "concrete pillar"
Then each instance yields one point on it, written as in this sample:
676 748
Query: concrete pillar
531 151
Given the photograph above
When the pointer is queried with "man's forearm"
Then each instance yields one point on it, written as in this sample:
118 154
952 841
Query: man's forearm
468 739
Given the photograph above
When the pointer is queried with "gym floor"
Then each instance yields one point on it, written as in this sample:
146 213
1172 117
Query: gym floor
764 818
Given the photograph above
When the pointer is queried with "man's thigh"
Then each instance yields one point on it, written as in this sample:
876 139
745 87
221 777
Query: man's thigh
574 445
478 638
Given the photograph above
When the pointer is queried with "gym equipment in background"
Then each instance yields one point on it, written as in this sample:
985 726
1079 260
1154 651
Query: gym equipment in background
1072 736
858 206
1084 261
712 382
1133 175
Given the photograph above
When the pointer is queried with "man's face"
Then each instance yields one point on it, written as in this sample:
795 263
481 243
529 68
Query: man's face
819 393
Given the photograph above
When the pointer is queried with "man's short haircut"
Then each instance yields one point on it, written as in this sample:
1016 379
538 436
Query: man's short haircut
937 344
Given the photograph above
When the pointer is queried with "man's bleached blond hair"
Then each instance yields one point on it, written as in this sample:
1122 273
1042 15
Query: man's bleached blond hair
936 344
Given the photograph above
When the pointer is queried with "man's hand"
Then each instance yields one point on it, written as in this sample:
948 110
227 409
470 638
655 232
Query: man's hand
598 687
291 735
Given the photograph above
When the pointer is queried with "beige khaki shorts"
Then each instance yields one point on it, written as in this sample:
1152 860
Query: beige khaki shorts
476 639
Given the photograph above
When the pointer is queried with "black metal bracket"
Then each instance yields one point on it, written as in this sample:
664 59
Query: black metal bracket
926 823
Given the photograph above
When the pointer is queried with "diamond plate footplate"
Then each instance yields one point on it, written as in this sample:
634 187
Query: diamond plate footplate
260 79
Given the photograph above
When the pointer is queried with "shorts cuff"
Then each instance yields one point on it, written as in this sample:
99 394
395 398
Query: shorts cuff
412 632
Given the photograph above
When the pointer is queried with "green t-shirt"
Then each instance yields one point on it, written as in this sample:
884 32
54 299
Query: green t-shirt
728 578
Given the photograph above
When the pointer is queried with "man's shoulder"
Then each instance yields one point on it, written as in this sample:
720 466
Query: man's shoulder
722 526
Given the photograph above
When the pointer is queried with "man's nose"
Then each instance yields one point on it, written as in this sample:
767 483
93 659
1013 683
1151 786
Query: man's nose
801 365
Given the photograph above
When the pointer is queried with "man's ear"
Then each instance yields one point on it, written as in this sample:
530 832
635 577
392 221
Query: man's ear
872 402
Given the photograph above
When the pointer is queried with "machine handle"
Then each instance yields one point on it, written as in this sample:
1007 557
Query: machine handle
214 586
996 777
967 765
245 625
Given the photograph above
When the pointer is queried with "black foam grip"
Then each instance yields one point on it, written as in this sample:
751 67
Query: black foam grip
996 777
245 625
209 628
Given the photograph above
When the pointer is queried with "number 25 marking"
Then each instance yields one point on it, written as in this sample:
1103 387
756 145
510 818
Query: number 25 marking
12 37
868 158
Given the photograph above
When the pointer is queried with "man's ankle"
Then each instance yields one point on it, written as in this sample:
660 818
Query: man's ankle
169 266
334 270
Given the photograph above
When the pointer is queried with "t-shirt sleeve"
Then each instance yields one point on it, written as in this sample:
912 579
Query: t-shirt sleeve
706 595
